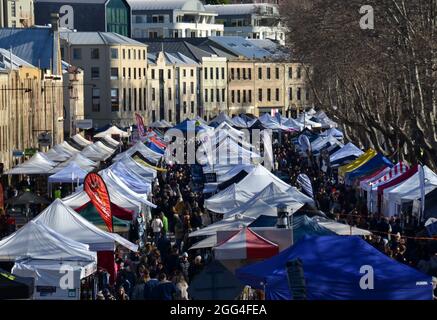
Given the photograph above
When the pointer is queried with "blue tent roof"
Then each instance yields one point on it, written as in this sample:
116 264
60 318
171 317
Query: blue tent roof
332 272
374 164
302 226
189 124
155 148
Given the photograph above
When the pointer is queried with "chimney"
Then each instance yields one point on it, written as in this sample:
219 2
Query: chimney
54 19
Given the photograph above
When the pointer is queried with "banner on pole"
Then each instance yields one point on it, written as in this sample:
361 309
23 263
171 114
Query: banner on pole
96 189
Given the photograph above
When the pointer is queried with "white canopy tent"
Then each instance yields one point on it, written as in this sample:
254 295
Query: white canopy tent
341 228
241 123
145 172
259 178
37 164
56 156
222 117
228 199
236 169
305 119
322 142
295 125
81 141
347 150
111 142
65 147
112 131
150 155
96 152
130 178
64 220
409 190
72 173
37 241
80 160
232 223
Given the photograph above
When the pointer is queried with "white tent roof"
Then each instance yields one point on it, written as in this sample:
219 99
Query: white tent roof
80 140
222 117
232 223
80 198
260 178
38 164
228 199
112 131
139 147
208 242
64 220
333 132
341 228
348 150
112 142
273 196
80 160
56 156
143 171
37 241
65 147
95 152
136 182
236 169
409 189
305 119
69 174
293 124
322 142
241 123
325 120
113 182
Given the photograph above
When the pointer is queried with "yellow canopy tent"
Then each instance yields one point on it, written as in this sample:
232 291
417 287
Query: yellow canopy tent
369 154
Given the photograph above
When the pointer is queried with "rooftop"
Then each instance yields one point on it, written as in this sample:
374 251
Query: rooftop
241 9
185 5
97 38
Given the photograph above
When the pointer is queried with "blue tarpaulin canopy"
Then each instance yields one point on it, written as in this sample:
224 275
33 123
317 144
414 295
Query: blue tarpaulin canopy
333 271
189 125
374 164
152 146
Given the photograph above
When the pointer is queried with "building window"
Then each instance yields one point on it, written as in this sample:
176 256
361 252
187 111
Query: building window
184 73
233 96
135 73
205 73
169 74
268 74
192 87
244 96
153 74
299 94
250 96
277 94
153 94
114 73
13 9
124 99
260 73
223 95
223 73
277 73
169 94
290 94
238 74
260 94
307 94
212 94
124 73
170 116
95 73
244 73
128 54
299 73
114 53
290 73
115 100
232 74
77 53
130 99
128 73
135 54
185 106
249 73
135 99
192 106
238 96
217 73
95 53
144 72
206 95
211 73
269 94
140 99
217 94
153 116
124 54
192 72
184 88
96 100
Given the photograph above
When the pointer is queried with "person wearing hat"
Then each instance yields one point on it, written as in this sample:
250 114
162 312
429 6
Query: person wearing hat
185 265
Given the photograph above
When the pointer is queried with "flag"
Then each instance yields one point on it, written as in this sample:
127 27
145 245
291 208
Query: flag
304 143
268 149
96 189
140 124
304 181
422 191
2 197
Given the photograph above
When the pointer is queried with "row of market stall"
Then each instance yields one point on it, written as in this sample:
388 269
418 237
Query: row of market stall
250 198
69 236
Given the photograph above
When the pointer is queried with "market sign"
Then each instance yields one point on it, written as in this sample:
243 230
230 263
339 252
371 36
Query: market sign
17 153
84 124
30 152
44 139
